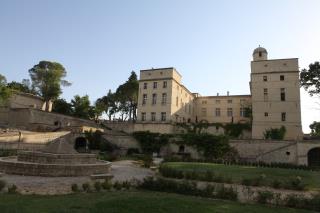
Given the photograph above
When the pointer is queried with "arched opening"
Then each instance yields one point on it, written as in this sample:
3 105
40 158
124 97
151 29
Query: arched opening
314 157
80 144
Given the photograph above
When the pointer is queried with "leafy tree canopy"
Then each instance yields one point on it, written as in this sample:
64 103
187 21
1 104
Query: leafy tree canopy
81 107
315 128
5 92
62 106
310 79
47 78
24 86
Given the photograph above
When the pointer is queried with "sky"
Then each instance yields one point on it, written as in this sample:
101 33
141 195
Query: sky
209 42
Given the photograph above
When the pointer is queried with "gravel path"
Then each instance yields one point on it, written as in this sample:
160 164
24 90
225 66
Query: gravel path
121 170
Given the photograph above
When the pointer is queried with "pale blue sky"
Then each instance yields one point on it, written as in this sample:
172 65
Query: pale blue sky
101 42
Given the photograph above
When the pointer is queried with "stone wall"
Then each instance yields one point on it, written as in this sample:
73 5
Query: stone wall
127 127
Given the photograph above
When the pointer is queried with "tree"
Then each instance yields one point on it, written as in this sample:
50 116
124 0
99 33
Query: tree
98 108
5 92
47 78
81 107
310 79
127 96
315 128
24 86
62 106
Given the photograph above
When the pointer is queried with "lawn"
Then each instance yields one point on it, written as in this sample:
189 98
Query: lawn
237 173
139 201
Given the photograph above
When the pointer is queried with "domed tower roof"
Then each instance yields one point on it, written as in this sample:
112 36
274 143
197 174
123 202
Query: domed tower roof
259 54
260 50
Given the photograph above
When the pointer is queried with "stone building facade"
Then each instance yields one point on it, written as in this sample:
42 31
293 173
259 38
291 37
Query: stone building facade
274 100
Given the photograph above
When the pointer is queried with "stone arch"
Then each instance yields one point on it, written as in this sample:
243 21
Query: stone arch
314 157
81 144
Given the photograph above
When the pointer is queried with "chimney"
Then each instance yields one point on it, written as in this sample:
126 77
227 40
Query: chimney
227 93
217 94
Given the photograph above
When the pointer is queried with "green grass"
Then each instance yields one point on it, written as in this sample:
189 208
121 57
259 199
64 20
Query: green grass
131 202
237 173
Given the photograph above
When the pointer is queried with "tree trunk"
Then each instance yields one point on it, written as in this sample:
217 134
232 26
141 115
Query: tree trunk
47 105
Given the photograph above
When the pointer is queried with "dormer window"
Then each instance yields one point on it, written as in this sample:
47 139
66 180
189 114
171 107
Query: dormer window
260 54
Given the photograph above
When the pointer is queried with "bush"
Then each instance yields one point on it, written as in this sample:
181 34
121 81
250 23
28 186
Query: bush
74 187
86 187
132 151
117 185
227 193
2 184
276 184
97 186
265 197
126 185
12 189
275 133
106 185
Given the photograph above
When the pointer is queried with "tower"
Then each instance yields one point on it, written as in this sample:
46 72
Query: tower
275 95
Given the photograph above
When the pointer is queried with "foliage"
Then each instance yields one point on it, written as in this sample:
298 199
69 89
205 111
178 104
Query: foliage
86 187
248 175
233 130
310 79
188 188
212 146
275 133
117 185
97 186
94 138
62 106
315 128
7 152
2 184
124 101
12 189
81 107
265 197
151 142
47 78
5 92
75 187
24 86
106 185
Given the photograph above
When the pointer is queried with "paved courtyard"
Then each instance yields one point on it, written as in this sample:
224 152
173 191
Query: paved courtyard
121 170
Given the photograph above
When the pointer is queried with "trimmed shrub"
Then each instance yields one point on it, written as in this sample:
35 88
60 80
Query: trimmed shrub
117 185
265 197
106 185
2 184
227 193
97 186
86 187
74 187
12 189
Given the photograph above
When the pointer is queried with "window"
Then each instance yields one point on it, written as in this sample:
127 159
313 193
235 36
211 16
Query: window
204 102
145 85
181 103
266 114
185 108
218 112
242 101
154 98
163 116
283 116
260 53
164 84
229 112
229 101
155 85
217 101
265 78
242 112
203 112
143 116
153 116
281 77
265 94
144 100
164 98
283 94
177 101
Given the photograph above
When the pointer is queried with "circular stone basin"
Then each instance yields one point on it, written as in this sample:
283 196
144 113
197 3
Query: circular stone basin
53 165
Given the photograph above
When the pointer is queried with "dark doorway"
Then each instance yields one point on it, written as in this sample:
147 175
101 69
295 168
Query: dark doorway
80 144
314 157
